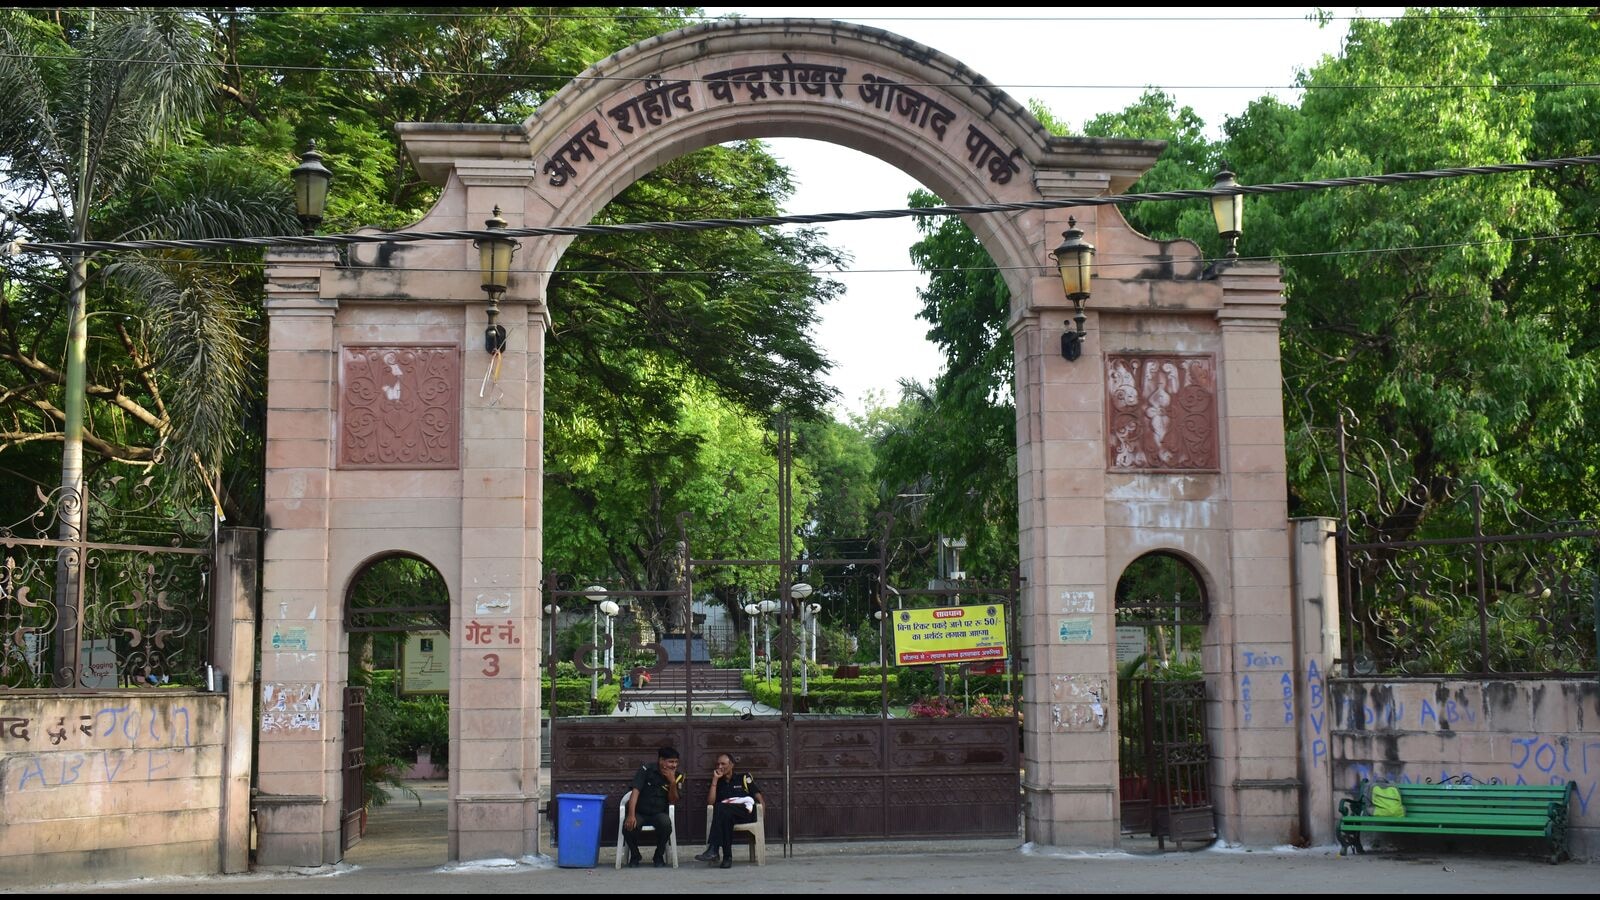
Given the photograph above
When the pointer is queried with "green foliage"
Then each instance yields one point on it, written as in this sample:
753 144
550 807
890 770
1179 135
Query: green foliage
572 696
1188 162
1459 348
955 441
423 723
173 345
383 749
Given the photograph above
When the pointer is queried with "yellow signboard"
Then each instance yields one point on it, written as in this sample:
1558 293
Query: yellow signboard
425 663
949 634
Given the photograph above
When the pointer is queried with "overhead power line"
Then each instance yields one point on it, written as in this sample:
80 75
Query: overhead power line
1101 263
411 237
420 73
532 12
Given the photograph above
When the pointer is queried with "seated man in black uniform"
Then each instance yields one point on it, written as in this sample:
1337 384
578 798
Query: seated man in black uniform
733 799
654 789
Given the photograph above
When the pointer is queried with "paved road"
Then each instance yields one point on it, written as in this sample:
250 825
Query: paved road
405 853
986 872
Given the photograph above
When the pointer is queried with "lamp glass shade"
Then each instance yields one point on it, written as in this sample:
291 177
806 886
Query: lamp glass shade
751 609
610 607
595 592
494 256
1075 261
1227 209
769 606
311 180
799 590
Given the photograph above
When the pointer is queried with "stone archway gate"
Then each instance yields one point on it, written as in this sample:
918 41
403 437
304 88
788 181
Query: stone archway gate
384 436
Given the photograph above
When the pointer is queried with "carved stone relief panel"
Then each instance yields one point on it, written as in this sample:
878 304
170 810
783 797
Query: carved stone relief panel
1162 412
399 407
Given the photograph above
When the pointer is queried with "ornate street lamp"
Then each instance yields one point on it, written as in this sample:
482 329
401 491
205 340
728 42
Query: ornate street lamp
494 260
609 609
311 180
1075 261
1228 210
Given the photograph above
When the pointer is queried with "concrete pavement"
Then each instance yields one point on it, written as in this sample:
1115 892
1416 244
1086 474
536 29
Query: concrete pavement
405 853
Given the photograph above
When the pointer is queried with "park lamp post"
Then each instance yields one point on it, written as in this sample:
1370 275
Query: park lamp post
609 608
551 610
767 608
1075 262
752 610
798 592
494 259
594 593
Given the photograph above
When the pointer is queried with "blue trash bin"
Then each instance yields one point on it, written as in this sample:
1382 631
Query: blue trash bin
578 830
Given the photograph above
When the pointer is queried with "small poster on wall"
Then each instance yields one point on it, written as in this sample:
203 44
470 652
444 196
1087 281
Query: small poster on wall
425 663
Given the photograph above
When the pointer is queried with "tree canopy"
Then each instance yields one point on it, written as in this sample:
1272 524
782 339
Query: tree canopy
1450 321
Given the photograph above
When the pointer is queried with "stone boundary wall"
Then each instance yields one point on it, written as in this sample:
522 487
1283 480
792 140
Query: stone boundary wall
1531 731
111 786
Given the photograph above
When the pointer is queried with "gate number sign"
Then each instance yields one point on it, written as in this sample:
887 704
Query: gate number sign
949 634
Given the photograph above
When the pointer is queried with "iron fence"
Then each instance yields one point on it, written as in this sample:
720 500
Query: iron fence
1455 577
130 609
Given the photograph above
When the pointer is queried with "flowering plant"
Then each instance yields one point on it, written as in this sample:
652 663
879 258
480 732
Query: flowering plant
984 708
933 708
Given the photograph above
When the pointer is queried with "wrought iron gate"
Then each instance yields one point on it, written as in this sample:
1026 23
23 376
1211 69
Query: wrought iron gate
847 777
835 777
1164 760
355 759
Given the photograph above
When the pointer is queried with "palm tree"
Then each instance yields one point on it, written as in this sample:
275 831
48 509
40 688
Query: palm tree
93 107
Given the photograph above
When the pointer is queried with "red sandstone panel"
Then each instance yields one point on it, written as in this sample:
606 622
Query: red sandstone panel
1162 413
399 407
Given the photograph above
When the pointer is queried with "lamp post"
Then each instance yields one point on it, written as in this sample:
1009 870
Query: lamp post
609 609
594 593
768 607
1075 261
494 259
880 615
1228 211
752 610
311 181
551 610
798 592
816 627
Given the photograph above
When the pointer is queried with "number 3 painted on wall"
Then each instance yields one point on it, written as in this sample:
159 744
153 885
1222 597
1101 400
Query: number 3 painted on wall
493 669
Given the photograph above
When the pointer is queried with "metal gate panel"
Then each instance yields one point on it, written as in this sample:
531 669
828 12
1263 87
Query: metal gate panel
954 776
838 778
355 760
851 779
1183 808
1164 761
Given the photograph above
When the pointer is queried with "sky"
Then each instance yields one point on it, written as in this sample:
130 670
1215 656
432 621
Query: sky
1079 65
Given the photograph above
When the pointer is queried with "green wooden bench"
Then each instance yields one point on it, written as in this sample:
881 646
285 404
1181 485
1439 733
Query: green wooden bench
1464 807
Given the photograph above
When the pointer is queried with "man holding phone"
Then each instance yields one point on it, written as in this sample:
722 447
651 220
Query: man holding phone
733 798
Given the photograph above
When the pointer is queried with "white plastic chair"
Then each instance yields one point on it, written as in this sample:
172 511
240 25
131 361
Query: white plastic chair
757 831
622 843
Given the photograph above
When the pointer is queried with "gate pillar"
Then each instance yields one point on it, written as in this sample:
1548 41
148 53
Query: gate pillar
1165 435
1249 660
299 754
392 430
